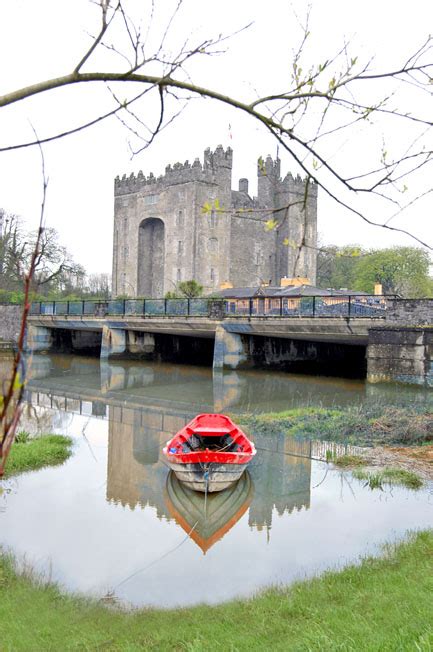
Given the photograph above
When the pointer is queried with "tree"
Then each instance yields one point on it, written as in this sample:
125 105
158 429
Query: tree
186 289
54 269
314 105
400 270
336 266
99 285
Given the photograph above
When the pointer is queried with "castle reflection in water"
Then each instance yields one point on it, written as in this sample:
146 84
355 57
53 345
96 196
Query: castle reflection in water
137 474
146 403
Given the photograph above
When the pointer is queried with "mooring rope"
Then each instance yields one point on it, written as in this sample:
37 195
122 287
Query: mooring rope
155 561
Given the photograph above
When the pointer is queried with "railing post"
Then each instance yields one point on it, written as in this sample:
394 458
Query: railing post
144 307
165 307
124 307
251 307
82 307
281 306
314 306
350 305
189 306
67 307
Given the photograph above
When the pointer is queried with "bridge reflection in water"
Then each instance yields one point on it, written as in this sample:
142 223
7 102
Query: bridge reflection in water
145 404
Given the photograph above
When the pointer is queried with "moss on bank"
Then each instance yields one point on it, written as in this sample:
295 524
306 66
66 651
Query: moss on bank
382 604
30 454
362 426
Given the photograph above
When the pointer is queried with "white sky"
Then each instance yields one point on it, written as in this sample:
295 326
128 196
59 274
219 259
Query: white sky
43 39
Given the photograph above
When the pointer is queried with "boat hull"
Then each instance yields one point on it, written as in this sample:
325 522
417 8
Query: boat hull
214 477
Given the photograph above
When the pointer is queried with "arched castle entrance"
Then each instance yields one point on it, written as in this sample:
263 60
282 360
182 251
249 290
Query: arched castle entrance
151 250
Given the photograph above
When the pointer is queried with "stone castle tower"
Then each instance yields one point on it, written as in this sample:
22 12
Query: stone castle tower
190 224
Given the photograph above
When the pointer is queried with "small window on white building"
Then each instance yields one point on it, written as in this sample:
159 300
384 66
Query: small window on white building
180 247
179 275
212 274
212 219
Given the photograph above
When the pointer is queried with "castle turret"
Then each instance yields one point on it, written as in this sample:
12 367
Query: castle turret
268 173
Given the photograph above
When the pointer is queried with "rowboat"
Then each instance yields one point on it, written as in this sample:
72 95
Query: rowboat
206 519
210 453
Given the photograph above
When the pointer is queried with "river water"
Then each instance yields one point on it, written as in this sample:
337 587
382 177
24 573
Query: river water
112 522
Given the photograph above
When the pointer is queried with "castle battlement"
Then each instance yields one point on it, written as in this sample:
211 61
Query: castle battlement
189 223
207 172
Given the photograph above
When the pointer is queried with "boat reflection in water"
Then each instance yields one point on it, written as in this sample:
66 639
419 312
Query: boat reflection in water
207 518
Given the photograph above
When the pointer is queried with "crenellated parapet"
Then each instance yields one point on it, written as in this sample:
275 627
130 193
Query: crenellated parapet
215 163
271 169
297 183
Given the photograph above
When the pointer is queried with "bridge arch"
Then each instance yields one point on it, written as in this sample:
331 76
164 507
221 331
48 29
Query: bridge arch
150 261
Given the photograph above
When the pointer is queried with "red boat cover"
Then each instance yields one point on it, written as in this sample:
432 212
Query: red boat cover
193 443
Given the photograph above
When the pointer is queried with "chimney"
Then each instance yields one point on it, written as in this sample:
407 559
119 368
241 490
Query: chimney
243 185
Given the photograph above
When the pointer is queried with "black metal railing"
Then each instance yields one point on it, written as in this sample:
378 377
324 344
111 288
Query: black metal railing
347 306
199 307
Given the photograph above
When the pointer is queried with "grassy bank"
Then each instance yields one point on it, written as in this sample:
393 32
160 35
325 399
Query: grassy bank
360 425
383 604
30 454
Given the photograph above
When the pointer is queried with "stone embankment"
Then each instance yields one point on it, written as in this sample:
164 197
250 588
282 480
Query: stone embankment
10 321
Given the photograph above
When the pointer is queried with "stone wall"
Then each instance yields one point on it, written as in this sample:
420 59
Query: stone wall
209 232
400 354
410 312
10 321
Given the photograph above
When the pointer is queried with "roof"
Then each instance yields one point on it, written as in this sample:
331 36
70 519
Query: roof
277 291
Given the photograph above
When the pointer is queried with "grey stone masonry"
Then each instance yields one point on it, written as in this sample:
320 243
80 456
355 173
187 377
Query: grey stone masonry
190 224
400 354
10 322
410 312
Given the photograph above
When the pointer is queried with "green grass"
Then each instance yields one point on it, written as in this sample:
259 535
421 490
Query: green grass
29 454
347 460
390 476
381 604
366 425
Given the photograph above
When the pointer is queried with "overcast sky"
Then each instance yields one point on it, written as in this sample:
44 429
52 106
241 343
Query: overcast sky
43 39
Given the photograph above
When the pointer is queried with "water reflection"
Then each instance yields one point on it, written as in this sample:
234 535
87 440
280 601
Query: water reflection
136 474
206 519
112 519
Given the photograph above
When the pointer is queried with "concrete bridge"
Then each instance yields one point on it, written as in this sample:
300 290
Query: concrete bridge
393 336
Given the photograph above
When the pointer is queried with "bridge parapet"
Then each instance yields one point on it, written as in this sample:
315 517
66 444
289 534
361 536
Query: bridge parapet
346 306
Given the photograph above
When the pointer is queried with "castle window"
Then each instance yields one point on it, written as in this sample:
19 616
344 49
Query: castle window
179 219
125 252
180 247
125 224
212 274
212 245
150 199
179 275
212 219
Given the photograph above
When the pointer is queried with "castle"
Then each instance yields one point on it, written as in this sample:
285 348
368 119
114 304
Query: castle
190 224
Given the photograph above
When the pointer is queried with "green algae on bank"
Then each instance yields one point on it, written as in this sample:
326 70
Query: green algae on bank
32 453
367 425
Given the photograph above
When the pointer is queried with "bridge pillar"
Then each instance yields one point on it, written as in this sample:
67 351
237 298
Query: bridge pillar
38 338
402 354
229 351
113 341
140 342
